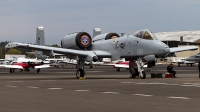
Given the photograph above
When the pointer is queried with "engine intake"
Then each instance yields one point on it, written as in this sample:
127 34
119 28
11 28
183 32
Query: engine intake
79 40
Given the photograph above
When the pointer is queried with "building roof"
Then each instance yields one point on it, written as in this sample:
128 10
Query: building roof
188 36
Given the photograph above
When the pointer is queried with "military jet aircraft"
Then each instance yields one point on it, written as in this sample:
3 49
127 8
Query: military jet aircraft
195 58
143 45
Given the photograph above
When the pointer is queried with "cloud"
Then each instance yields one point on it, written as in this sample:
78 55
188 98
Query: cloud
19 19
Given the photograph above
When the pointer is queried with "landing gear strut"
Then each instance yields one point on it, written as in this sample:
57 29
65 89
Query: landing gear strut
38 70
12 70
132 68
140 65
80 73
139 71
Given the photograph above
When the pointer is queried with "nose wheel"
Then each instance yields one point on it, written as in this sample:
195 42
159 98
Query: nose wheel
143 75
139 71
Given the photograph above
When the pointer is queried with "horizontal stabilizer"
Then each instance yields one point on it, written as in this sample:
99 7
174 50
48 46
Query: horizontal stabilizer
185 48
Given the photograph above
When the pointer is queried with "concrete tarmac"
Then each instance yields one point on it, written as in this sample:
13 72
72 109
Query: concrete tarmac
103 90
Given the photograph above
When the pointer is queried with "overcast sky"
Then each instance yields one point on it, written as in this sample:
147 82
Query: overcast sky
20 18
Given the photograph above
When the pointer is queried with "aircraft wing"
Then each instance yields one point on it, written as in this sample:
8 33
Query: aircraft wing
56 54
13 66
86 55
185 48
2 66
42 66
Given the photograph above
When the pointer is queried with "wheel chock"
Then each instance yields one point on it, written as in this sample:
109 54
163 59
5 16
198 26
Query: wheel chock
137 77
82 78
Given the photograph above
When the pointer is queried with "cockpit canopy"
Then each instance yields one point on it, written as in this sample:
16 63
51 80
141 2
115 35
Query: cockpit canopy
145 34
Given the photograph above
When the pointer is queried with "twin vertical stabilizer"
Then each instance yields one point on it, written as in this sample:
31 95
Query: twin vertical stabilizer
96 31
40 40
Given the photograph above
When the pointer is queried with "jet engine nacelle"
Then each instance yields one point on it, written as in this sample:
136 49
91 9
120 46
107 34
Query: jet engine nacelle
105 36
149 57
78 40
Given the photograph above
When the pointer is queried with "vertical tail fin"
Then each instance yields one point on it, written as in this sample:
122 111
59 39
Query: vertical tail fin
40 40
96 31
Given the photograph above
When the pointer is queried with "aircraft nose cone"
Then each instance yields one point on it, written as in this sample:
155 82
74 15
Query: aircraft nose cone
167 50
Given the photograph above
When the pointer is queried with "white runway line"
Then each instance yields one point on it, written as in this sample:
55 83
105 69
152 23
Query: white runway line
184 98
173 84
11 86
187 85
141 83
142 95
127 82
14 81
107 79
47 80
55 88
81 90
33 87
110 92
157 83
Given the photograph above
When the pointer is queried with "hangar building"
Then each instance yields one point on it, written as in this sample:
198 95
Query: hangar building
181 38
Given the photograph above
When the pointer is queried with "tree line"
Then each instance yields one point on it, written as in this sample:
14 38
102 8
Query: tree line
18 51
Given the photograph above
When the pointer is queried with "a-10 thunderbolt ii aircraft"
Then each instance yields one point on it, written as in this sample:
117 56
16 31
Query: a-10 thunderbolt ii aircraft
143 45
195 58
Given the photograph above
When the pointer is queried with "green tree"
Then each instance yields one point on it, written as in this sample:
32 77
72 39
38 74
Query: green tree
2 53
55 45
13 51
31 55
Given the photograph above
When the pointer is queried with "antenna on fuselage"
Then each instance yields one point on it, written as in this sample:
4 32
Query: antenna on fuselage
122 34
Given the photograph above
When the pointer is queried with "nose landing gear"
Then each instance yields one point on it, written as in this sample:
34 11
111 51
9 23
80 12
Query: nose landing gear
137 71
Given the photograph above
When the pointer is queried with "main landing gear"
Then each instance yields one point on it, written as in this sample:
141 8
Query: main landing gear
12 70
38 70
80 73
137 71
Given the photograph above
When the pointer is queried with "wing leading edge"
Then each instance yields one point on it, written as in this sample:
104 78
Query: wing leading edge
84 55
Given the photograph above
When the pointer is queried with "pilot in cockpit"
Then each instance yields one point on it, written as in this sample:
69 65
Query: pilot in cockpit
145 34
113 37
